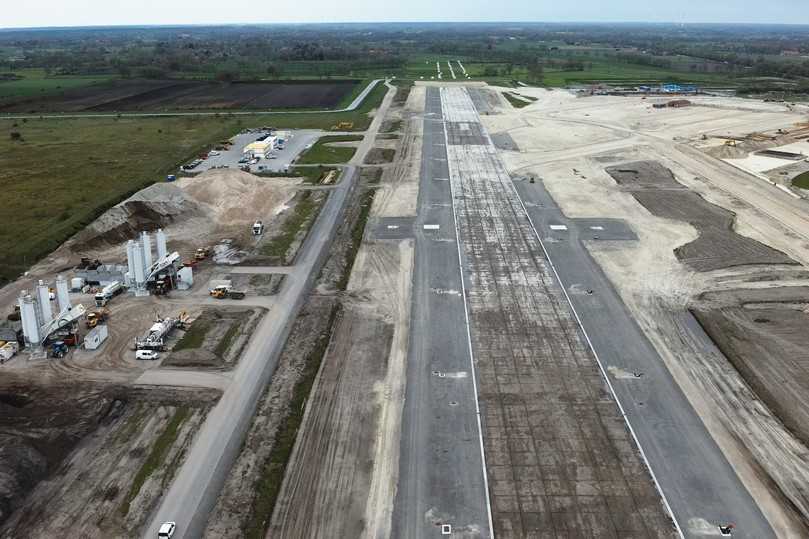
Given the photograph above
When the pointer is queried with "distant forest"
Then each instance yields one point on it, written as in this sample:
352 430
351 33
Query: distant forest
349 50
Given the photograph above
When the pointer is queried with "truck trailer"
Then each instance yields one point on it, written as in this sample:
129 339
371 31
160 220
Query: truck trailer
108 292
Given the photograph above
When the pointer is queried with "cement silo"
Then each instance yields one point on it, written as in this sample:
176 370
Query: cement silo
62 293
130 261
162 249
30 322
147 251
140 273
44 301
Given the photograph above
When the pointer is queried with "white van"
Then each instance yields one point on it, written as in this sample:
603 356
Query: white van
166 530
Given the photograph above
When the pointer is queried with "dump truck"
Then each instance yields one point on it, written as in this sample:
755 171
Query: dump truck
96 317
258 228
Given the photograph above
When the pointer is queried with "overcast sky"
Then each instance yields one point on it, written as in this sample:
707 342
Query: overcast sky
134 12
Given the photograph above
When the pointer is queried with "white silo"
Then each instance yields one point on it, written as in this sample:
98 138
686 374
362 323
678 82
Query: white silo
44 302
130 261
28 315
147 251
162 249
140 275
62 293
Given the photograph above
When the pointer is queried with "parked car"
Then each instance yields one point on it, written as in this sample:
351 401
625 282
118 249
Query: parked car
148 355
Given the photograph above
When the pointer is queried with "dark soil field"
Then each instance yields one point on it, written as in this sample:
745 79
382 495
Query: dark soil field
176 95
763 334
718 245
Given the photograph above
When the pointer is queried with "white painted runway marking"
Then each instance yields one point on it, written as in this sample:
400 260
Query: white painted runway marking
432 227
393 227
558 227
596 228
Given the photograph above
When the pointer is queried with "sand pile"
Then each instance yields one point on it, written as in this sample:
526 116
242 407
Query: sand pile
157 206
233 197
190 207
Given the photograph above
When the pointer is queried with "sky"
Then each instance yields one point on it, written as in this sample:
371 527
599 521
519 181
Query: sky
16 14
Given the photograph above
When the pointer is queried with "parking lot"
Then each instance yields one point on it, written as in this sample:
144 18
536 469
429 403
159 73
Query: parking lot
295 143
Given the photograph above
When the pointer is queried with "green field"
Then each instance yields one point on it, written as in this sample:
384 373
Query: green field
36 83
63 173
322 152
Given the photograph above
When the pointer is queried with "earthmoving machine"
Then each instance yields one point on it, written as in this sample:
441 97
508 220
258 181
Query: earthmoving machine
202 253
8 349
96 317
343 126
224 291
258 228
58 349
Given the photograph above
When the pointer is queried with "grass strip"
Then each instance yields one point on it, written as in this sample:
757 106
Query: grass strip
321 152
156 457
305 211
227 340
357 232
801 180
194 336
516 102
270 479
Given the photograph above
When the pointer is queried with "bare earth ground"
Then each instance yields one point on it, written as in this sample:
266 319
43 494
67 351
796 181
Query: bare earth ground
568 142
240 508
95 484
342 476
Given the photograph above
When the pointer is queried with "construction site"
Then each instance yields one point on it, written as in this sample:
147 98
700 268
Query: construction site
579 315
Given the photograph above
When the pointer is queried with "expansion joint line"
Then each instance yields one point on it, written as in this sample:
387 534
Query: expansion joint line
468 329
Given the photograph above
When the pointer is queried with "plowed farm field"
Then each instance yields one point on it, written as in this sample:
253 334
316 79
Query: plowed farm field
176 95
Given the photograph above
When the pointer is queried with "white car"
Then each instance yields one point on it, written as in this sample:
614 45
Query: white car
166 530
213 153
148 354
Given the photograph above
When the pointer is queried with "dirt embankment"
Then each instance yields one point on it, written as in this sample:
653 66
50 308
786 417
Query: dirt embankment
104 452
718 245
220 202
215 339
246 502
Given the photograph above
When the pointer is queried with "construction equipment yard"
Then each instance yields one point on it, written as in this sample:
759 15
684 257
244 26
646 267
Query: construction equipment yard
541 314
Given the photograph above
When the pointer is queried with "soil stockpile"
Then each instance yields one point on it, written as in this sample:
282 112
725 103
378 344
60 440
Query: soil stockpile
217 200
718 245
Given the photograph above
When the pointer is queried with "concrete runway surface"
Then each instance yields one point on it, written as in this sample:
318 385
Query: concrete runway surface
551 426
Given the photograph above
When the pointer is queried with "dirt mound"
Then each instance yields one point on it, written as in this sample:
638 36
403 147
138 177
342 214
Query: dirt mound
190 207
157 206
236 197
40 426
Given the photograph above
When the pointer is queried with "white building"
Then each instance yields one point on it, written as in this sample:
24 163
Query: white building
261 148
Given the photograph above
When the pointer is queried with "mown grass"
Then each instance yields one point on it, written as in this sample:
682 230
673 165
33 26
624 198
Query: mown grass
322 152
801 180
194 336
271 476
157 455
305 211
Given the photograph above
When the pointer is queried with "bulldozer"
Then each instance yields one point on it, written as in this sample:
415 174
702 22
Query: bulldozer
96 317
